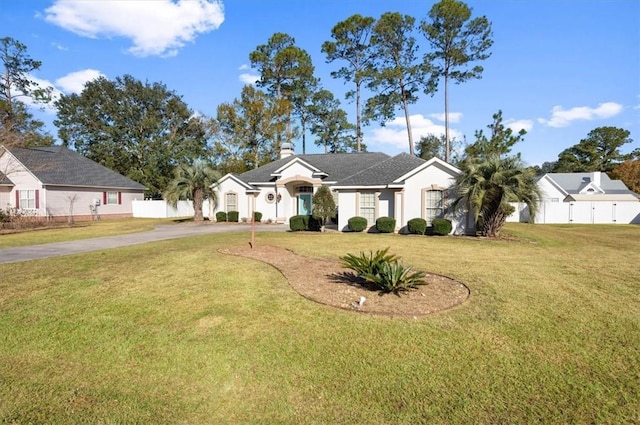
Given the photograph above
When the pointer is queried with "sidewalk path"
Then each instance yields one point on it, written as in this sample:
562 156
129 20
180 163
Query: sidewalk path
163 232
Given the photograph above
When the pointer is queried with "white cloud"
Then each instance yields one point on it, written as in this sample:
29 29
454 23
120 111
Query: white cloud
243 67
563 118
248 78
454 117
394 133
158 27
517 125
74 82
59 46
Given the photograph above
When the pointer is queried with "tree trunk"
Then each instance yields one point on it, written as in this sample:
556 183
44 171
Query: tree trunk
198 198
493 224
408 121
358 118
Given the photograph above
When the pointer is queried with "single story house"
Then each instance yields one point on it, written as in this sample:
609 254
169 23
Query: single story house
587 198
54 183
369 185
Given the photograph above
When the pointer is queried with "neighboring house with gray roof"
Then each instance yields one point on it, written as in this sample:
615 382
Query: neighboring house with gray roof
585 198
55 182
369 185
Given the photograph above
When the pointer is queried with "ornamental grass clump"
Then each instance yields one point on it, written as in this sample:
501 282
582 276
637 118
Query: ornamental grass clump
384 271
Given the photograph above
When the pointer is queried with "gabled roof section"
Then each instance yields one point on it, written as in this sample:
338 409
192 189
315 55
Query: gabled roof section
235 178
383 173
5 181
579 183
334 166
432 162
57 165
297 160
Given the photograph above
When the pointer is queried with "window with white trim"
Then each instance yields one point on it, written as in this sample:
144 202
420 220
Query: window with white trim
368 207
28 199
434 205
270 197
231 202
112 198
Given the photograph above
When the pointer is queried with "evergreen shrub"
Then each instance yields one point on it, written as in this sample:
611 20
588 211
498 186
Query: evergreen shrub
221 216
232 216
386 224
417 226
357 224
441 226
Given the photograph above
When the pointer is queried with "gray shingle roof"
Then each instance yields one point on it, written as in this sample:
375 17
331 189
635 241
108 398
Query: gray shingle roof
383 172
573 183
57 165
337 166
4 180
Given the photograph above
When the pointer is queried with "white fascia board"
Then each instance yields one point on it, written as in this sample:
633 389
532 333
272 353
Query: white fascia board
235 179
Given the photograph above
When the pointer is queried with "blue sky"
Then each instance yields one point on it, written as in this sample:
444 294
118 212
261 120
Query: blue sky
558 68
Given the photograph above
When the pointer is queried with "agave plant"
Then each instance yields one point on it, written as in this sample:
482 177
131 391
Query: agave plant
368 264
393 277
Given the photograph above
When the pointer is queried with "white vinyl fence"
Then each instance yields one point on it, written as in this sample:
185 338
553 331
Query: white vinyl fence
161 209
594 212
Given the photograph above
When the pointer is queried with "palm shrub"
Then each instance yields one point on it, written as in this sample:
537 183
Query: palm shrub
384 271
232 216
486 186
394 278
367 264
441 226
221 216
417 226
386 224
257 216
357 224
194 181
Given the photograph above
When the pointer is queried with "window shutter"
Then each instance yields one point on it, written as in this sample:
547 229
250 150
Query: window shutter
104 198
37 199
119 198
17 199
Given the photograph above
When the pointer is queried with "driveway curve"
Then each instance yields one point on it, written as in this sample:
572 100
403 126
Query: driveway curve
163 232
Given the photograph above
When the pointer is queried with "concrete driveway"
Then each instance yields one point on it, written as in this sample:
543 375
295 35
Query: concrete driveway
164 232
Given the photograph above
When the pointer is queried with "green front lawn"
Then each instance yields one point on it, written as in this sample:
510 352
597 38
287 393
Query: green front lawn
80 230
175 332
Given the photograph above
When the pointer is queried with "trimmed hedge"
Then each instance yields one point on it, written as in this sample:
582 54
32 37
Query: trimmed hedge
221 216
442 226
357 224
417 226
386 224
299 223
257 216
232 216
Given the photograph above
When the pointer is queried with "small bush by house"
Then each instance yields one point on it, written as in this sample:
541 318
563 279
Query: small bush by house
417 226
442 226
299 223
357 224
257 216
386 224
232 216
221 216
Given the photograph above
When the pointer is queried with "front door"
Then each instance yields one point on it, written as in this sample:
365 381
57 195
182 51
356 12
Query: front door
304 204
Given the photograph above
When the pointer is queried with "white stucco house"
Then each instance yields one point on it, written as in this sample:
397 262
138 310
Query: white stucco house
53 182
586 198
369 185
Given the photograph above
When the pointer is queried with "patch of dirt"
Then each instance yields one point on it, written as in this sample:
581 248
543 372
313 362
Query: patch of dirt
328 283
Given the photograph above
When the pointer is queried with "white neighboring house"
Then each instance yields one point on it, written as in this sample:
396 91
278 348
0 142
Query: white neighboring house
587 198
369 185
51 181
